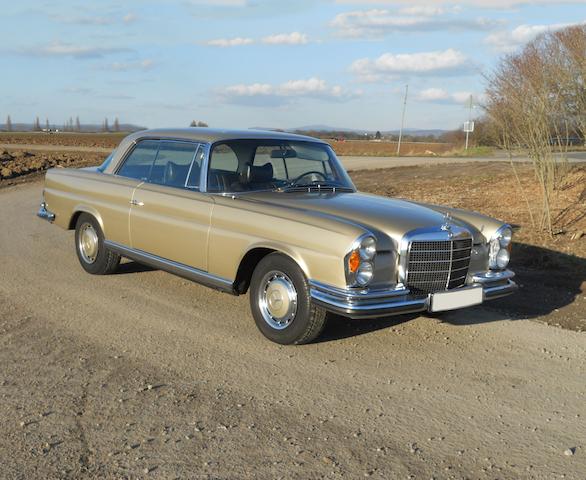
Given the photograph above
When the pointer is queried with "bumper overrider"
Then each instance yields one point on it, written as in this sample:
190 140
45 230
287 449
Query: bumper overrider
355 303
45 214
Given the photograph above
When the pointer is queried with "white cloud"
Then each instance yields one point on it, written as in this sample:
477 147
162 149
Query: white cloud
252 90
509 40
439 95
395 65
220 3
230 42
96 20
129 18
492 4
294 38
433 94
266 94
60 49
379 22
427 10
145 64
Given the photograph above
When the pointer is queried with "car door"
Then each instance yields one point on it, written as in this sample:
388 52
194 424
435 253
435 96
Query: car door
114 197
169 216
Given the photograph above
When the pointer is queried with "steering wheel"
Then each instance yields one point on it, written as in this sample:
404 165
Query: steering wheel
312 172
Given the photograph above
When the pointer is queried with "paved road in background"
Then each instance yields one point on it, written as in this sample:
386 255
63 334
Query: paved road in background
350 162
371 163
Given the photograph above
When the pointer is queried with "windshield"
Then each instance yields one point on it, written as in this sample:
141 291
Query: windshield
252 165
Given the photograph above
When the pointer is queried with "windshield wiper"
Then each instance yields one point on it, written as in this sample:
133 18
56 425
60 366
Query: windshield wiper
315 186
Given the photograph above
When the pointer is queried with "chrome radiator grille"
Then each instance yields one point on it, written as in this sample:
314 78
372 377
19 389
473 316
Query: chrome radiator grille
437 265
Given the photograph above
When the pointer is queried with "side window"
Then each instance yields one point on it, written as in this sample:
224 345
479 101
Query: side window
138 164
223 171
172 164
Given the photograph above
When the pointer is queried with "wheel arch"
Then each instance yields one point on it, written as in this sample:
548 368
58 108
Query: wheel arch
78 210
253 256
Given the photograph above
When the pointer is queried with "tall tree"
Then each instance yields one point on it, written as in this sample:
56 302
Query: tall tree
116 125
47 124
37 125
106 128
77 124
8 124
536 97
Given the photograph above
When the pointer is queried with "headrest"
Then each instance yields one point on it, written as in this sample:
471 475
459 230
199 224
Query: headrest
260 174
175 174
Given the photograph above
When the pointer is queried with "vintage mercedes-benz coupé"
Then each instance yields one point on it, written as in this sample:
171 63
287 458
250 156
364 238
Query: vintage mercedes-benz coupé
277 215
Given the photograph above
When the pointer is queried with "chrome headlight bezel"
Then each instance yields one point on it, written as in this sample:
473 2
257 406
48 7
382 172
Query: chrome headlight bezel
499 248
359 262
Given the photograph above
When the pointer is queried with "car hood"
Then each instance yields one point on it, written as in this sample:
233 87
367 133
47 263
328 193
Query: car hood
393 217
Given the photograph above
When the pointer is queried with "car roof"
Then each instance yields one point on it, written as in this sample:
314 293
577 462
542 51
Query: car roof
211 135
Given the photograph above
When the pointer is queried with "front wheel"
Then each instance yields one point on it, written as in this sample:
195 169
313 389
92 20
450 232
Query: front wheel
93 255
281 304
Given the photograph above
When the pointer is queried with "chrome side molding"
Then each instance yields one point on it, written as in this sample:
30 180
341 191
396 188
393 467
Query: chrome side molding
179 269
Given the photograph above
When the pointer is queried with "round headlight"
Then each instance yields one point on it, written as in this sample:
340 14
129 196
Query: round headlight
367 248
502 258
505 237
364 274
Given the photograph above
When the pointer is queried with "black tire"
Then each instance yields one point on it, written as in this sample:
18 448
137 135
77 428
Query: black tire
104 261
308 320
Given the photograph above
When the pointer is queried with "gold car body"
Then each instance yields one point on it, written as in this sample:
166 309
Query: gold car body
217 238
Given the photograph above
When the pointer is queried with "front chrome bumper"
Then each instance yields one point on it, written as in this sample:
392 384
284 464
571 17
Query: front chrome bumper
381 303
45 214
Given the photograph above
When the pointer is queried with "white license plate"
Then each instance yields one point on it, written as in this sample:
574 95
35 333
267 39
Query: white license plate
455 299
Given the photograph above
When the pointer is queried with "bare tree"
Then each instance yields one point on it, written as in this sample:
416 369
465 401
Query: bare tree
37 125
116 125
105 126
8 124
533 98
47 127
198 123
77 124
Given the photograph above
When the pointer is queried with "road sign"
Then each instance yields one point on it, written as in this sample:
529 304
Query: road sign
469 126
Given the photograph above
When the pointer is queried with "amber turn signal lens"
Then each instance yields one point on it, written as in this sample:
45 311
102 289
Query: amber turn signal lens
354 261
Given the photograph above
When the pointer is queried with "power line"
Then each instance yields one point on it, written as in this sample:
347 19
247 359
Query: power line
402 120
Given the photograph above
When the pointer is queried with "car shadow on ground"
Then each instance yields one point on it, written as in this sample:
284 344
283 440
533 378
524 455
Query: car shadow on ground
548 281
132 267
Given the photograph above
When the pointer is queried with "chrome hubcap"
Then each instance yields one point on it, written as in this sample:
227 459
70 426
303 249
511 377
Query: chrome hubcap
88 243
277 300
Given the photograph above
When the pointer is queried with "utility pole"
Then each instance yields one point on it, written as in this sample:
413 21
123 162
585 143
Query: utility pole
469 120
402 120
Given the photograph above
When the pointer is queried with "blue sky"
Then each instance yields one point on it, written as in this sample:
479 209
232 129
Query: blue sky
271 63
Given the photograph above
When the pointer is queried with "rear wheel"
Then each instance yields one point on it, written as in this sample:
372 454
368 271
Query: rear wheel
93 255
281 304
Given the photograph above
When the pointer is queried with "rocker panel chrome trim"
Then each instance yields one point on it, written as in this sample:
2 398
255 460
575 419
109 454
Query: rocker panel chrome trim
175 268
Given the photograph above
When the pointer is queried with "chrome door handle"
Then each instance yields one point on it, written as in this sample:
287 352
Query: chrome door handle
137 203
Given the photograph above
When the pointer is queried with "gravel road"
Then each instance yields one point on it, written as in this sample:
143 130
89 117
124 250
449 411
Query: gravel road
144 375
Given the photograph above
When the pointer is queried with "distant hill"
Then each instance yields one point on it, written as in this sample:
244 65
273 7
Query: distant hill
415 132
